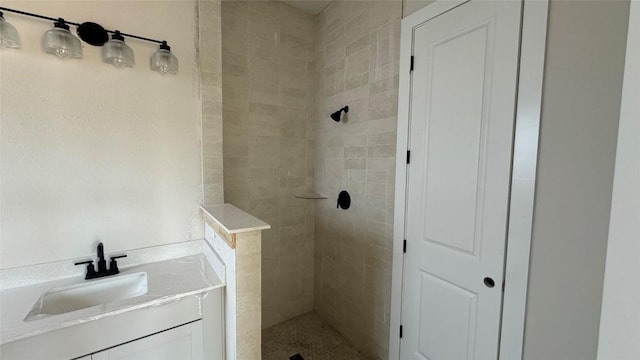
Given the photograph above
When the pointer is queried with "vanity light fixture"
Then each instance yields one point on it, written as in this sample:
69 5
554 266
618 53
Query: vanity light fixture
116 52
61 42
9 37
163 61
337 115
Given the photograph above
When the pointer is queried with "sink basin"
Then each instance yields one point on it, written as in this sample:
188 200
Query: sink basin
65 299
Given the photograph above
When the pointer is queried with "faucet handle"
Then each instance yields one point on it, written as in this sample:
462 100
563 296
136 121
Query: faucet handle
113 265
91 271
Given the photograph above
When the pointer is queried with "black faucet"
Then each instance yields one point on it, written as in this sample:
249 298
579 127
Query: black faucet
102 265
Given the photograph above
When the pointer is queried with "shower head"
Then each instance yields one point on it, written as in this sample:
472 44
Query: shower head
336 115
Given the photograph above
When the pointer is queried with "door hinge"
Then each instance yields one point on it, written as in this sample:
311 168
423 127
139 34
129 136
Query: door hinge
400 331
408 156
411 66
404 246
503 286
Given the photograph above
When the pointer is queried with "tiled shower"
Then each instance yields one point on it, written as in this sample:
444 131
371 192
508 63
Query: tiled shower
284 72
268 101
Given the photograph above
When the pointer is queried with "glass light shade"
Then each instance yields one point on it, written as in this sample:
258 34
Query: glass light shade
164 61
117 53
9 37
61 42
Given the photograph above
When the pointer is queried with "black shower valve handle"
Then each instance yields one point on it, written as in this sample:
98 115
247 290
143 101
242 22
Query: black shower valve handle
344 200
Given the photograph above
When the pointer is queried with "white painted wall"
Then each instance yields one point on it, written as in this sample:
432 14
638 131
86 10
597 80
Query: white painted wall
579 124
620 319
92 153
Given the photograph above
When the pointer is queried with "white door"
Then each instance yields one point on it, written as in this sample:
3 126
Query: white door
461 134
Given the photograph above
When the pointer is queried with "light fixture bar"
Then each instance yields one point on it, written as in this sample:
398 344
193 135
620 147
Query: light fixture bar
35 15
77 24
137 37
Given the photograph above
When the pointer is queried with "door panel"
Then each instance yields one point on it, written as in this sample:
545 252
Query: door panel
461 132
182 342
454 140
453 308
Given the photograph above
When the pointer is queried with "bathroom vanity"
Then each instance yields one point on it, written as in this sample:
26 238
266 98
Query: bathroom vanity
155 310
192 300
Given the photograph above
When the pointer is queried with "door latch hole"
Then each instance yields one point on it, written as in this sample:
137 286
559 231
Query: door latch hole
489 282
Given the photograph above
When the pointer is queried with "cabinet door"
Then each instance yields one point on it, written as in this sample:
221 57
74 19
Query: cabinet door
183 342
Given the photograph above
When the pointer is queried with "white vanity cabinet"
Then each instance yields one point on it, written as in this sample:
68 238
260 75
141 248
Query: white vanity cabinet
171 331
182 342
182 307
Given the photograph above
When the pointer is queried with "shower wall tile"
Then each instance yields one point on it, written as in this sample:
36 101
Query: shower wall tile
357 61
248 295
268 63
210 68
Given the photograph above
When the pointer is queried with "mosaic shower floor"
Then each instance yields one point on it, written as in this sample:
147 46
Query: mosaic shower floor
309 336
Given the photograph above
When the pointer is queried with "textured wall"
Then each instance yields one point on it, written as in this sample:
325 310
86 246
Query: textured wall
411 6
357 65
90 152
268 106
210 61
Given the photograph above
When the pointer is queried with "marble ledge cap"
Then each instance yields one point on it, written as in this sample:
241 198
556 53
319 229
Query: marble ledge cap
233 220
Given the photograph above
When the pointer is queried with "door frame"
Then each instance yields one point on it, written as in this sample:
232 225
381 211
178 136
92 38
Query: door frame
523 175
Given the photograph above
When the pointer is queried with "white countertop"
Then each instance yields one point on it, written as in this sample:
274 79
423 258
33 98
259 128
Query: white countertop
168 281
234 220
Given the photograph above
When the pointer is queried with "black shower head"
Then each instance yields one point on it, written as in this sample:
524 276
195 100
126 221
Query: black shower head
336 115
